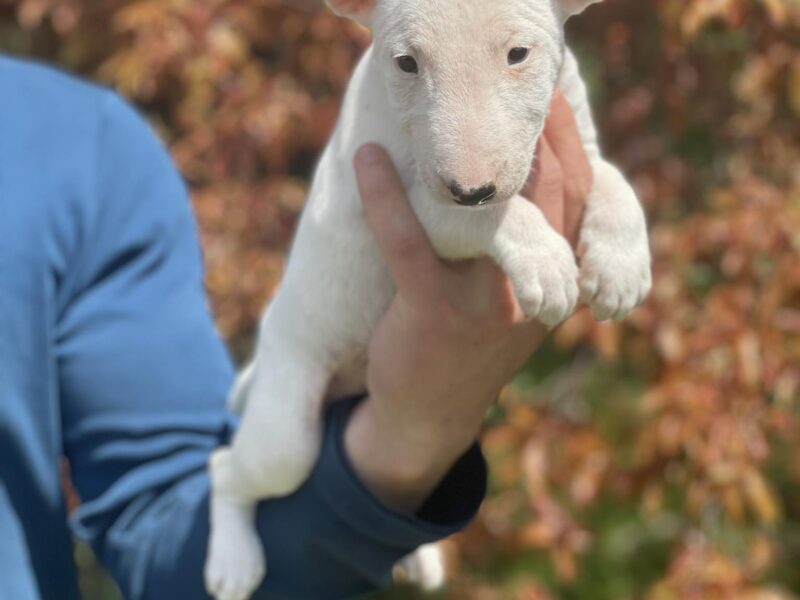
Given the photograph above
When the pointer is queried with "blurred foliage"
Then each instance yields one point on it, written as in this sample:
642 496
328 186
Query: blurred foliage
656 459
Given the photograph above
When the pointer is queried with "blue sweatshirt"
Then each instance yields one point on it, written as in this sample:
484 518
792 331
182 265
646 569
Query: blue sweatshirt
109 357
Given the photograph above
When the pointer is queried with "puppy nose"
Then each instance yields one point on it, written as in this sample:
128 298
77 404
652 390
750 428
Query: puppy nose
473 196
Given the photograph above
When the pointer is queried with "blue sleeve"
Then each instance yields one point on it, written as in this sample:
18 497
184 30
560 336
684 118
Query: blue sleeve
143 377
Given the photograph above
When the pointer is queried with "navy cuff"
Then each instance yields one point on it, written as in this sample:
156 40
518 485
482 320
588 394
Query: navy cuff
450 508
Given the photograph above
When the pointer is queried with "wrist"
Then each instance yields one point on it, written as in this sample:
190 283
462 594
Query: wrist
402 466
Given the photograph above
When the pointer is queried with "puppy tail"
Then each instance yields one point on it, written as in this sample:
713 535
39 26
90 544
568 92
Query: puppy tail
237 399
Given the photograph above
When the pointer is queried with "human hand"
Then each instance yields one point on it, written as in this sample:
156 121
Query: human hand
454 334
561 177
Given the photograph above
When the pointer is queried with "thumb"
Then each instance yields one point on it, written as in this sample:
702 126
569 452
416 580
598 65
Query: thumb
405 246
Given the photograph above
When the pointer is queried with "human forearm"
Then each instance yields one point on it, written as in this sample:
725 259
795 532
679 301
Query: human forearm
401 468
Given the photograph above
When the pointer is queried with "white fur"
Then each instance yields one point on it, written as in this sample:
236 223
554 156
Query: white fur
425 567
469 117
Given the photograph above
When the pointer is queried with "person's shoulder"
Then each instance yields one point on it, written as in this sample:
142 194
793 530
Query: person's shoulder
45 87
61 115
80 148
39 100
48 111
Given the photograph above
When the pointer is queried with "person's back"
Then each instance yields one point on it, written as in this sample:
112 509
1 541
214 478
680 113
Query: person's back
83 187
109 357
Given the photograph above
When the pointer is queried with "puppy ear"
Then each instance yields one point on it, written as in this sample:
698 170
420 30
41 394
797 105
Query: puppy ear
574 7
358 10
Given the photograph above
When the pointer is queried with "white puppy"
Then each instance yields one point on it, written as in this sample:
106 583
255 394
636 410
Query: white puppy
458 92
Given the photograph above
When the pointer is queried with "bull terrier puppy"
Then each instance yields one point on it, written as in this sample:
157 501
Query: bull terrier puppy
458 93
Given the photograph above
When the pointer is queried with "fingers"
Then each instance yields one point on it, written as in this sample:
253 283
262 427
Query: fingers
546 187
561 133
411 260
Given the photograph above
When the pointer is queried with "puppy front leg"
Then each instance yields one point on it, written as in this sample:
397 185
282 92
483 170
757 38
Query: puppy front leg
539 262
614 251
272 453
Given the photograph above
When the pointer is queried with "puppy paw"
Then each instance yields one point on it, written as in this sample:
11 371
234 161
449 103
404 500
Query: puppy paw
615 278
426 568
546 280
235 565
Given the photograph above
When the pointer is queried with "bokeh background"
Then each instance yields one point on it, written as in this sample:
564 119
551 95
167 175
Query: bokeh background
658 459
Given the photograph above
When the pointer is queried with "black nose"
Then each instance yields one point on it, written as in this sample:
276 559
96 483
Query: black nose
474 196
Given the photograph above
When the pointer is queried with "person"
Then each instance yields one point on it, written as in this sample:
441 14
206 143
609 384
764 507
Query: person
109 357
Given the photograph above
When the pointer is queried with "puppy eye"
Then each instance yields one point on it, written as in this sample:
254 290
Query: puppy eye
407 64
518 55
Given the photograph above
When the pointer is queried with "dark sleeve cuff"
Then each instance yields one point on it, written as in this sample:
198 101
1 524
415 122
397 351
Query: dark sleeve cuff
449 509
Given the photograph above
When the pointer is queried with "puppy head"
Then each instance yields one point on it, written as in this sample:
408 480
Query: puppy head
471 82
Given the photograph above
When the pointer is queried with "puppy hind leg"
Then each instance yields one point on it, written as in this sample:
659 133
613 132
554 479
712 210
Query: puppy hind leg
426 567
278 441
235 564
272 453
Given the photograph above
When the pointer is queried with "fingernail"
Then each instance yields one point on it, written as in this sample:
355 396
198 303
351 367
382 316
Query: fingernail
369 154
